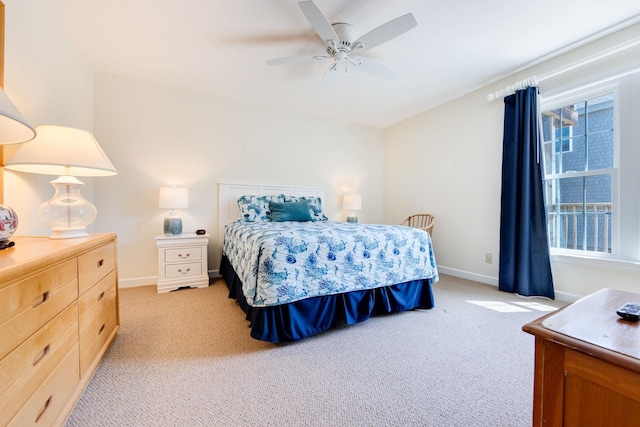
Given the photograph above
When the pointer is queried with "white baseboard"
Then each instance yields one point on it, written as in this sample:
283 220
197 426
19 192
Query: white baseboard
152 280
493 281
137 281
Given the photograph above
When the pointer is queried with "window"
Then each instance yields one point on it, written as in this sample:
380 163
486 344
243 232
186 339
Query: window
579 146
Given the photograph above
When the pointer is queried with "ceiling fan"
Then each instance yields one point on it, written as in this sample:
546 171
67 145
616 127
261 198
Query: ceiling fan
342 44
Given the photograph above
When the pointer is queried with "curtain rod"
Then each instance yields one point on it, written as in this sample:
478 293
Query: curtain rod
535 80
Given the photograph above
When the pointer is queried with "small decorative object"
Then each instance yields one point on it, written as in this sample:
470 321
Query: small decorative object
8 226
200 232
352 202
173 198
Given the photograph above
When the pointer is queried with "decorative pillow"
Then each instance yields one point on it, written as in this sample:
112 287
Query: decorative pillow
315 206
290 211
256 208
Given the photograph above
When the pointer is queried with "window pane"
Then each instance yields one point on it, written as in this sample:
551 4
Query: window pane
579 137
573 160
600 115
579 213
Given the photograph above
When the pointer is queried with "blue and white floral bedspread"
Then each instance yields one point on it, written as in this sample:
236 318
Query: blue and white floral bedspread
281 262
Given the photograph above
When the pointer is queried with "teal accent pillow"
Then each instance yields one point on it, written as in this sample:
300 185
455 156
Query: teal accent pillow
290 211
315 206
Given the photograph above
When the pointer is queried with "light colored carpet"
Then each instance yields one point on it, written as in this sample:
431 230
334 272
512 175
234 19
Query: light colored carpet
186 359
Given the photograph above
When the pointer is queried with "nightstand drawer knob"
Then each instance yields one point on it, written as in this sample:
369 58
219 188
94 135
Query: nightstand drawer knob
185 272
184 256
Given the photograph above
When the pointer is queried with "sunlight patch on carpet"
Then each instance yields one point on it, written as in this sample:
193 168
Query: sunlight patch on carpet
536 306
500 306
513 307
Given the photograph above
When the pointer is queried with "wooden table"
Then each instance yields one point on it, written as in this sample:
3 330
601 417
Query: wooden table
587 364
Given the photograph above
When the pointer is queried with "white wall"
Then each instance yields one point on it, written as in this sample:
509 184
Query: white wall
157 135
51 83
447 161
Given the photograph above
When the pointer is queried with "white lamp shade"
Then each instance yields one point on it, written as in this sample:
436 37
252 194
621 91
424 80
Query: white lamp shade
13 127
59 150
352 202
173 198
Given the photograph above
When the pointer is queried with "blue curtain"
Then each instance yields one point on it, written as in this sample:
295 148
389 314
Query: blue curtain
525 267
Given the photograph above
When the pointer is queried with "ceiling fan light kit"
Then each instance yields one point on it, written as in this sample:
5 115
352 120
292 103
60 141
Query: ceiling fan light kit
341 42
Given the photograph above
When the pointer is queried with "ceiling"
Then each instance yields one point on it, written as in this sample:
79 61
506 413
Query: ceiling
220 47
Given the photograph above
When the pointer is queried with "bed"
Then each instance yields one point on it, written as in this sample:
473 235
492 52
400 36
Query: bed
297 274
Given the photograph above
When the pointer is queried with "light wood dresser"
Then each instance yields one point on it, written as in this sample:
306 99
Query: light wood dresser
587 364
58 315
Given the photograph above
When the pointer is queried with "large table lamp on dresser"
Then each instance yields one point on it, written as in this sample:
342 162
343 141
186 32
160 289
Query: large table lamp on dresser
66 152
14 129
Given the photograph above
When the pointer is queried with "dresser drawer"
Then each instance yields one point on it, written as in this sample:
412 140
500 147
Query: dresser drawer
46 404
25 368
27 305
94 265
93 302
174 271
183 254
95 335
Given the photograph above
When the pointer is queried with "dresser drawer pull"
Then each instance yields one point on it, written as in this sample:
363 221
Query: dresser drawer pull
100 263
101 328
185 256
43 410
100 296
42 354
184 272
40 299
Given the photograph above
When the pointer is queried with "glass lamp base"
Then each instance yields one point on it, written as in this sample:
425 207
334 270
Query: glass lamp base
68 233
173 226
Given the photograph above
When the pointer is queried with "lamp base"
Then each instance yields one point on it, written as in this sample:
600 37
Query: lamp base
172 226
68 233
352 219
67 213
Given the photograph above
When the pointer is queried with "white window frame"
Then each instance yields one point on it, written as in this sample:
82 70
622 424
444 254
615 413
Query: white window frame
572 97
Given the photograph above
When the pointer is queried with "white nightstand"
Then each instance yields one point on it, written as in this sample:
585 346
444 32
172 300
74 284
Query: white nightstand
182 261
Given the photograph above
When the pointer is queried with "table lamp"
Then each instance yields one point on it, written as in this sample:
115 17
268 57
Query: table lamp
173 198
67 152
13 129
352 203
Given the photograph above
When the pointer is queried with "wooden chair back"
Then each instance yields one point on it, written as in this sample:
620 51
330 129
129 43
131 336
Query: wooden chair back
422 221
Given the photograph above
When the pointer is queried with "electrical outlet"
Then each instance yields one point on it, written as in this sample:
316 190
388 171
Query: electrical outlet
488 258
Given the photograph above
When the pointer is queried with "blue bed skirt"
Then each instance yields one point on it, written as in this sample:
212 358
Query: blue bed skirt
304 318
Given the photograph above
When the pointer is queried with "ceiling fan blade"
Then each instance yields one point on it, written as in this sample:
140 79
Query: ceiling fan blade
295 59
386 32
318 21
374 68
330 77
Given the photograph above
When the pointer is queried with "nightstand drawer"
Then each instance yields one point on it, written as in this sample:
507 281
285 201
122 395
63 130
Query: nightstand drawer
188 269
25 368
95 335
46 404
27 305
94 265
183 254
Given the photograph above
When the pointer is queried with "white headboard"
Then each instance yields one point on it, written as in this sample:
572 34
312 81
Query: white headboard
228 194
